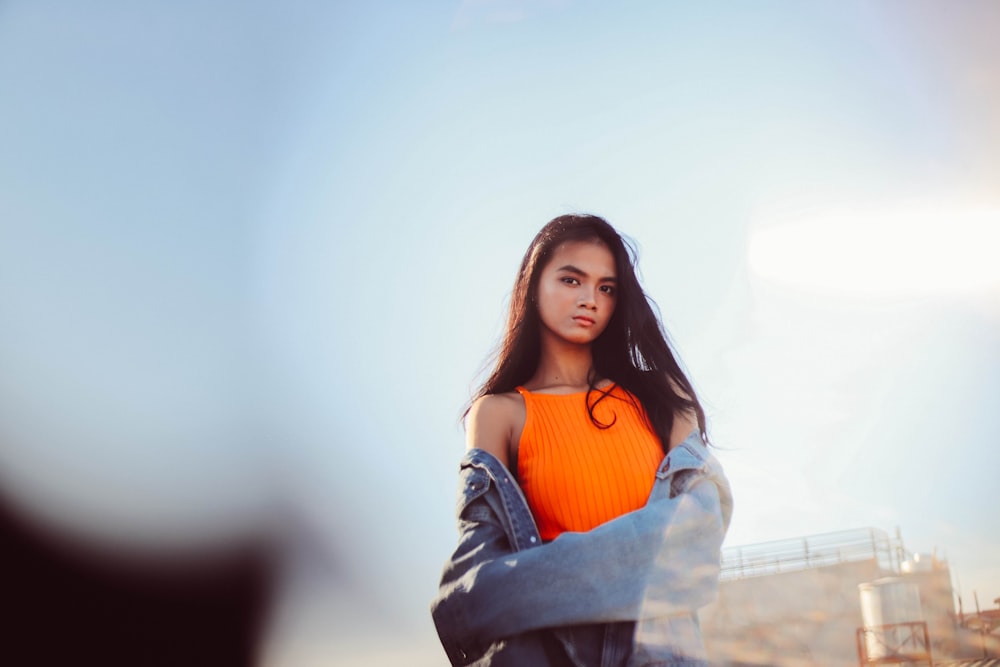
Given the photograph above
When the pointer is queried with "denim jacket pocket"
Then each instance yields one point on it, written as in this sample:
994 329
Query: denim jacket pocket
680 473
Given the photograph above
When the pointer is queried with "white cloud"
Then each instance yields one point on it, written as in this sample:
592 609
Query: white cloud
882 253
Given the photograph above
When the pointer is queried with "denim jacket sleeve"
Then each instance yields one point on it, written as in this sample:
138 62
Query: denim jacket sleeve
659 560
487 533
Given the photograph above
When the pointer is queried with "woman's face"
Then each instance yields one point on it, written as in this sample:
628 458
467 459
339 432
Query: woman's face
576 291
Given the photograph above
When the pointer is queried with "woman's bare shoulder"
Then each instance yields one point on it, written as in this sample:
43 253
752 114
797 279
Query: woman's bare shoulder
491 421
684 423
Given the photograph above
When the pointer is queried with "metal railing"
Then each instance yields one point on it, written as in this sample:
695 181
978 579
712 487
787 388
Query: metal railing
766 558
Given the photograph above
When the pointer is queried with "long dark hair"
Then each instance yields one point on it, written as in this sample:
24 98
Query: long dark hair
633 351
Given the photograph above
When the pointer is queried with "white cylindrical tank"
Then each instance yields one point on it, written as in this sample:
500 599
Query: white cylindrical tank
884 604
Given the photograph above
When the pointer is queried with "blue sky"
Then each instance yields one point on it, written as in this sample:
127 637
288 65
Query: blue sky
253 256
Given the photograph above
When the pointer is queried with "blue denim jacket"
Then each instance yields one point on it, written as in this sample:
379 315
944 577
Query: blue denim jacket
623 594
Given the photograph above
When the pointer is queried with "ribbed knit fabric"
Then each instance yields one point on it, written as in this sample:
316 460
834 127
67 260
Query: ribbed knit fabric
575 475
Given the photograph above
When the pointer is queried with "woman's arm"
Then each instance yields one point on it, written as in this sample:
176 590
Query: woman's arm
490 423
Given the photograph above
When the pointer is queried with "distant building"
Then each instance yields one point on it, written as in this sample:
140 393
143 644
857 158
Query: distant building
796 602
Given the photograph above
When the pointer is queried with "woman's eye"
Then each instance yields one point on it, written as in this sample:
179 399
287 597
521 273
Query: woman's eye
570 281
608 289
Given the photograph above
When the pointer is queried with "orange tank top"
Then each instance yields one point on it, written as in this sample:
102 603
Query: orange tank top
576 475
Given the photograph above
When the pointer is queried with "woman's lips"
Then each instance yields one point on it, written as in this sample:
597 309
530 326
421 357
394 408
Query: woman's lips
584 321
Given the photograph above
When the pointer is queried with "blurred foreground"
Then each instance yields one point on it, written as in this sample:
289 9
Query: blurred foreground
69 603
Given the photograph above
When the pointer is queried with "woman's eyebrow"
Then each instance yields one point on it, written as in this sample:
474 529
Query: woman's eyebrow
569 268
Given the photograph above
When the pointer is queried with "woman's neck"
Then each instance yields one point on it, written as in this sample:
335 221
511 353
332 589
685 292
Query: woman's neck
563 365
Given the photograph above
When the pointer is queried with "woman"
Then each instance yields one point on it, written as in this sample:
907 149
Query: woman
590 514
